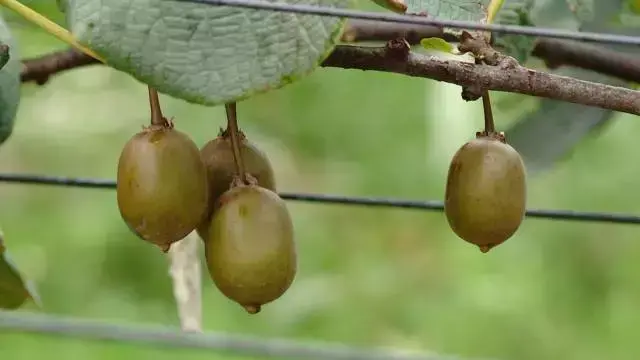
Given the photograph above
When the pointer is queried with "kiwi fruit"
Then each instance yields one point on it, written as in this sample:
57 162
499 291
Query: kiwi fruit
250 250
217 156
161 185
485 196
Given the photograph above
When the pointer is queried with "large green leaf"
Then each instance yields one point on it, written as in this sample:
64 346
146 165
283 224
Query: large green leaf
465 10
584 10
596 11
554 13
9 83
549 133
630 14
14 289
515 12
205 54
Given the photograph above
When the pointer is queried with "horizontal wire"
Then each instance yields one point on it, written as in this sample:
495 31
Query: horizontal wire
422 20
433 205
240 345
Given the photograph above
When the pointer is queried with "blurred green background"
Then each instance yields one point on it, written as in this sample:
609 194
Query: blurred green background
367 277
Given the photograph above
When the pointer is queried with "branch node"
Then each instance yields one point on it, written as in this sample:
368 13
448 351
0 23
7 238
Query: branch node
398 49
484 55
472 92
484 52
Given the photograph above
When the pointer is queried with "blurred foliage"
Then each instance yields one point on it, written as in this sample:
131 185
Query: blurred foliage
14 289
545 136
556 290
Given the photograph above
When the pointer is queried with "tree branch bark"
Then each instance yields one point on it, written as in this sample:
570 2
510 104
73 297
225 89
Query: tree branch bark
396 58
40 69
554 52
515 79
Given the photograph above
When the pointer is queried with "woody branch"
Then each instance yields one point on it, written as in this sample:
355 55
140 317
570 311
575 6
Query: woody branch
396 57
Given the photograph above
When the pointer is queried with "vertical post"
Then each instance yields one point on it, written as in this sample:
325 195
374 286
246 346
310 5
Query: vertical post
185 272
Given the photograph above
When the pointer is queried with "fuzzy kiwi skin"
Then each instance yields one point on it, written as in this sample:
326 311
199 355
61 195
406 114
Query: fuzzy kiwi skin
217 155
250 251
161 185
485 197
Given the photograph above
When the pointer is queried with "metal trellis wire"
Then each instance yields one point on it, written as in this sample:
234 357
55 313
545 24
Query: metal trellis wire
422 20
238 345
433 205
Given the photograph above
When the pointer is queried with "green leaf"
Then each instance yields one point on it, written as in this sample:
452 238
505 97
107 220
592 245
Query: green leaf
14 289
630 14
602 12
550 133
465 10
61 5
437 44
556 128
201 53
9 83
555 14
4 55
515 12
584 10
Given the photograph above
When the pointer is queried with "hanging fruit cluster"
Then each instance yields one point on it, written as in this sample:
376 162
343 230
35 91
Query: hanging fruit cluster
168 188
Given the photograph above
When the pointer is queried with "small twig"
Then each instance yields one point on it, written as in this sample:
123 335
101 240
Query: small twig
234 135
369 30
41 68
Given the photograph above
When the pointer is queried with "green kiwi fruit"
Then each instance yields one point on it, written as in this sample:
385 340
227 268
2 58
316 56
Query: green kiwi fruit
217 156
485 196
250 249
161 185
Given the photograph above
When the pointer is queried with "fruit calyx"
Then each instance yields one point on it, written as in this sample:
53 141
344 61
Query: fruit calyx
492 135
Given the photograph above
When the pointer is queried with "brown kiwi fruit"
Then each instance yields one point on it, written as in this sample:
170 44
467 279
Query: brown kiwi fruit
217 156
161 185
485 196
250 249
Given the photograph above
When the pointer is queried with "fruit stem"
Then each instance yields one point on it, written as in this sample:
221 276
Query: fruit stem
489 126
232 127
157 118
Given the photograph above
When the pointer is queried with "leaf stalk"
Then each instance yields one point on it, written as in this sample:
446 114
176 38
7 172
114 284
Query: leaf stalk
48 26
